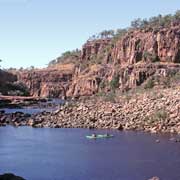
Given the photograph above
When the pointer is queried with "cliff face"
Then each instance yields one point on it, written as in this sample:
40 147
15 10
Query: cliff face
87 82
135 57
95 49
149 46
47 82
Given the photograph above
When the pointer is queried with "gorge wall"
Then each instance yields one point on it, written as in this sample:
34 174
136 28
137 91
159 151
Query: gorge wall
135 57
47 82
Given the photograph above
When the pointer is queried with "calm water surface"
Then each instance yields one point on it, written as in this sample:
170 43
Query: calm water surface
65 154
28 110
40 107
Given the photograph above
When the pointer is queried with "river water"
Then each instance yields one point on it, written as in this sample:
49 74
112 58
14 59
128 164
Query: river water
48 106
66 154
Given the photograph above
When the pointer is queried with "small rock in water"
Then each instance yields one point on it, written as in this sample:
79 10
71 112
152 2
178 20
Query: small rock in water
177 140
157 141
120 127
172 139
2 111
154 178
10 176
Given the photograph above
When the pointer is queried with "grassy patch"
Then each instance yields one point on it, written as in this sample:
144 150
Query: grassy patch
149 84
159 115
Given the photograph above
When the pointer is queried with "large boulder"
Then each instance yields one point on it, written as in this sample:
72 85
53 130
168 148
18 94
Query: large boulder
10 176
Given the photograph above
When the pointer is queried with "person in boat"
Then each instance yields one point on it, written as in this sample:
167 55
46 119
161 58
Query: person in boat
94 135
107 134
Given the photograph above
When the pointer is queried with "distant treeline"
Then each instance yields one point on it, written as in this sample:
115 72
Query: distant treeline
74 54
153 22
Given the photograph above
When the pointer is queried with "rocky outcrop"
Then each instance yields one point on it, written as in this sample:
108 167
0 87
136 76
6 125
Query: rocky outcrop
14 119
135 75
87 82
47 82
92 49
135 57
149 45
90 81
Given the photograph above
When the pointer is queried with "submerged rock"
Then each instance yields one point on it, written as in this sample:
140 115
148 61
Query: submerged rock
154 178
157 141
10 176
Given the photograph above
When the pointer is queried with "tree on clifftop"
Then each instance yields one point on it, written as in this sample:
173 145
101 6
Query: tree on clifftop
0 61
107 34
136 23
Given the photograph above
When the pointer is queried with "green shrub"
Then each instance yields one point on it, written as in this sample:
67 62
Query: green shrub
110 97
160 115
118 35
107 96
150 56
102 84
127 97
101 94
96 59
114 83
7 88
167 82
74 55
149 84
175 78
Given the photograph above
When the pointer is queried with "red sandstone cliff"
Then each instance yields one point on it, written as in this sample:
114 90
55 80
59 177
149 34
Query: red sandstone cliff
149 46
138 55
47 82
135 57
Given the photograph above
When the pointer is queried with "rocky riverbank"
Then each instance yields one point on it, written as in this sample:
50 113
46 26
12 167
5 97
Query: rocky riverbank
15 119
152 111
155 111
19 101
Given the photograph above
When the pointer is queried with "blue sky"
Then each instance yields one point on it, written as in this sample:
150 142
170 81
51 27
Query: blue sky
33 32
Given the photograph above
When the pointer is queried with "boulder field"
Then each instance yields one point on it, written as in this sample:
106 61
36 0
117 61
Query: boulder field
155 111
